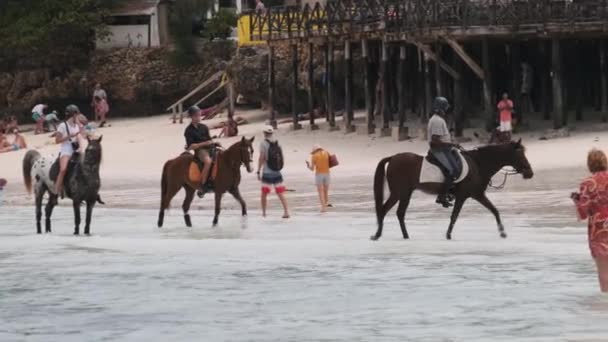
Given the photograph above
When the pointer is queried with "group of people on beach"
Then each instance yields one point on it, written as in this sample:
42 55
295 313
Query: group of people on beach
270 163
45 121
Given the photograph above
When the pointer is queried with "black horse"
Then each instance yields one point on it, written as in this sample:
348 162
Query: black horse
403 175
82 183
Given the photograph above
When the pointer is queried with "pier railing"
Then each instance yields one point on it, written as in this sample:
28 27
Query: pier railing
418 17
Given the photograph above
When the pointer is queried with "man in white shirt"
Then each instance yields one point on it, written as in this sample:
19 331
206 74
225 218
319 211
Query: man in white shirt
441 147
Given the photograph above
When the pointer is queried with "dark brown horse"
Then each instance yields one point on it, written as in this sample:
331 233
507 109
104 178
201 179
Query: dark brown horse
177 174
403 175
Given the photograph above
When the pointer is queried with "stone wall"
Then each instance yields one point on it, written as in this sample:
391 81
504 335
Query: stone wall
138 81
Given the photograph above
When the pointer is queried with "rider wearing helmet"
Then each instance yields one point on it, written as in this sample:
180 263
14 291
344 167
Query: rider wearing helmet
441 145
67 135
198 139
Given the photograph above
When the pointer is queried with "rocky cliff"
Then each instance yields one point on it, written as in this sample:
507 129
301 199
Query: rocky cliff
138 81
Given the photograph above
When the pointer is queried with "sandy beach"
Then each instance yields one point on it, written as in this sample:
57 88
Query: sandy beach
136 149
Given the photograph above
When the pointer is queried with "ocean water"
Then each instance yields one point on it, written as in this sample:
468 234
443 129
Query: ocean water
310 278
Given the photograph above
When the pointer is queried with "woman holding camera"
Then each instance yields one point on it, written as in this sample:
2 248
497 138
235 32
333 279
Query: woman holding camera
67 136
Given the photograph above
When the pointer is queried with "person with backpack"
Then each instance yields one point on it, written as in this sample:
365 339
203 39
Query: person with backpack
270 165
319 163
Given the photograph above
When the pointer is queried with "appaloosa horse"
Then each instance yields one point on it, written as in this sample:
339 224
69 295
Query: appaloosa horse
178 173
82 183
403 175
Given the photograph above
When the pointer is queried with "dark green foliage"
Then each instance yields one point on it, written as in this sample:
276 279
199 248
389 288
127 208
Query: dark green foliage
56 31
220 26
185 17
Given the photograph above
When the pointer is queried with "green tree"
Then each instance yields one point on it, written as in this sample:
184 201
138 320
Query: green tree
58 30
185 19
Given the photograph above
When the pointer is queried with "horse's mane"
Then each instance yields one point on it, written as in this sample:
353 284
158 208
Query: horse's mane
494 154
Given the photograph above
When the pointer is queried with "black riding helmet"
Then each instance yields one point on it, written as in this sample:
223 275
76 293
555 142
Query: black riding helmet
440 105
193 110
71 110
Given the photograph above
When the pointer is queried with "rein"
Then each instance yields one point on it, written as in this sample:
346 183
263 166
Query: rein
506 174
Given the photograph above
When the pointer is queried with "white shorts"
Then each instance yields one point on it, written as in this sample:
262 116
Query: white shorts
505 126
66 150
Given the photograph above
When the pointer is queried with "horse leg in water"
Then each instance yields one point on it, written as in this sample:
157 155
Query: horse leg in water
403 204
455 212
165 199
392 200
187 203
87 225
76 205
483 200
48 211
39 196
237 195
218 204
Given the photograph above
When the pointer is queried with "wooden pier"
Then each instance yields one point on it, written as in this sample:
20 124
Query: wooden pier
550 56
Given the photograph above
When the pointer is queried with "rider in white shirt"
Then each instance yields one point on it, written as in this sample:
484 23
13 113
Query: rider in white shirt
68 134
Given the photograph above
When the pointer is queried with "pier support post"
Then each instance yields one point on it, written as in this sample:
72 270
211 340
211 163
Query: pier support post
400 132
556 65
427 89
458 99
271 112
516 81
545 82
603 80
438 88
310 86
367 75
294 88
401 85
348 87
331 112
386 111
487 86
579 83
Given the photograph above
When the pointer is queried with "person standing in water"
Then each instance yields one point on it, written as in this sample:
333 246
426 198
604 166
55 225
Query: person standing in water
592 204
270 165
319 163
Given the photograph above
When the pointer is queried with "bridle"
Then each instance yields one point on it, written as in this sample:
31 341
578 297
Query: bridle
506 174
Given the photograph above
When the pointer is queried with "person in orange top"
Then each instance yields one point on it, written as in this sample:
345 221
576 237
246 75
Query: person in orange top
319 162
505 107
592 204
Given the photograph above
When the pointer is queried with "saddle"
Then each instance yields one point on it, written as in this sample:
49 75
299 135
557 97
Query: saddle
195 171
54 172
432 171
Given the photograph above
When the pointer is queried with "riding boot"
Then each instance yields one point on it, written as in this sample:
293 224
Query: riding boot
443 197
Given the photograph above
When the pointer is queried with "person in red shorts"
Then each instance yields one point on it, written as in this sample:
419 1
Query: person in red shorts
269 170
592 204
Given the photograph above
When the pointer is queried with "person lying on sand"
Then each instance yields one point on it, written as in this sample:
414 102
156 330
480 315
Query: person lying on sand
17 144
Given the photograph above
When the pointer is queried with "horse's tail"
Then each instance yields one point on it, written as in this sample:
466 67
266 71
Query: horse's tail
163 187
379 178
28 161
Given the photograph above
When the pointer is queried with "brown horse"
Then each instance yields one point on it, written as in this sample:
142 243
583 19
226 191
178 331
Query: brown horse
403 175
178 173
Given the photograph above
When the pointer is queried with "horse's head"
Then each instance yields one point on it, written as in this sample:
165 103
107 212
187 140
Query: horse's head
93 152
246 153
518 159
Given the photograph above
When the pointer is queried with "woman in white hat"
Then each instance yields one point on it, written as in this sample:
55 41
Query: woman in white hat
319 163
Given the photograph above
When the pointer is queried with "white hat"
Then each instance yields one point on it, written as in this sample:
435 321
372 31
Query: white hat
268 130
316 147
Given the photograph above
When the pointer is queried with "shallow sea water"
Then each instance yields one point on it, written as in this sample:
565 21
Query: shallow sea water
311 278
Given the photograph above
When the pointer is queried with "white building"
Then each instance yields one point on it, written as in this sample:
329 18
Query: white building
137 23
